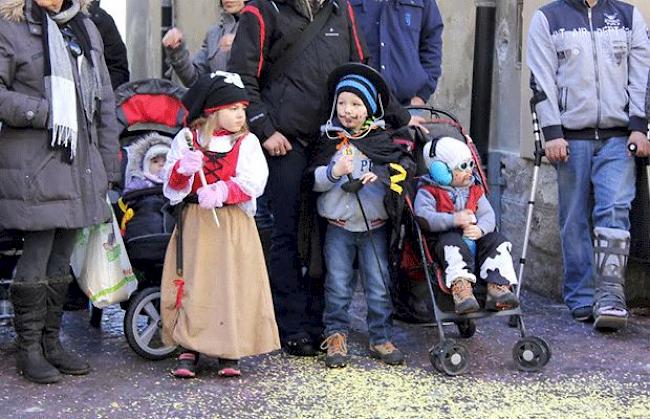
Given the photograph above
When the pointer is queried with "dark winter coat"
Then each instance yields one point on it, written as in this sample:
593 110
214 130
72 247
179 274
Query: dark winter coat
294 103
114 48
39 189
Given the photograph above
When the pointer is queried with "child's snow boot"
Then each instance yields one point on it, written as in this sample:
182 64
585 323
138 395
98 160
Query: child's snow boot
500 297
464 299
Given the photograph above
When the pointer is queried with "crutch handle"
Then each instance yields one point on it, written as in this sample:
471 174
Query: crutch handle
633 148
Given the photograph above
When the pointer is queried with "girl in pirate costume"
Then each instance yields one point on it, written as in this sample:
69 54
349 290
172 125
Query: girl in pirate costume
451 203
350 172
221 306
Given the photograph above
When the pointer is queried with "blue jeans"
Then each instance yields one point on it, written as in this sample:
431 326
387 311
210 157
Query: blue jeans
604 166
341 248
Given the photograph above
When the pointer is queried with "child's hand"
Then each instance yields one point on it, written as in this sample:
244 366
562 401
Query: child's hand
464 218
213 195
190 163
342 167
368 178
472 231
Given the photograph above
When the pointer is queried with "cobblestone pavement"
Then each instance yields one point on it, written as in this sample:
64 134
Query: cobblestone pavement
590 375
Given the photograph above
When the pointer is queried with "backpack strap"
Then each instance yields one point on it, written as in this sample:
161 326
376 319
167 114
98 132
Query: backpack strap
304 39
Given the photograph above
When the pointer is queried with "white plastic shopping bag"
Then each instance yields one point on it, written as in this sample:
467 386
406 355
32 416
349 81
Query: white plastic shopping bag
101 264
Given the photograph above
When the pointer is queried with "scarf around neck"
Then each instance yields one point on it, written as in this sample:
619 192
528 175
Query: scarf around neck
59 79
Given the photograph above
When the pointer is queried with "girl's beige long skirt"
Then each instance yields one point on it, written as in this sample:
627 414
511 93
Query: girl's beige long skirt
226 309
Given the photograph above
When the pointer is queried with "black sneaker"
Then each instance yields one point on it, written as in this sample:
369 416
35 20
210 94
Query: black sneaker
582 314
300 347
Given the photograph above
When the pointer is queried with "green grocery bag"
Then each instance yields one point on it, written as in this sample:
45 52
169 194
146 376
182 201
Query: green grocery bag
101 265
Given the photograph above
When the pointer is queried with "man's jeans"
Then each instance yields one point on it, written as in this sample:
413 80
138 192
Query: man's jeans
605 166
341 248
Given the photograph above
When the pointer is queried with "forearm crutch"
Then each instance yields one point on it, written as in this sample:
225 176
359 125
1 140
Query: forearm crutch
645 160
539 153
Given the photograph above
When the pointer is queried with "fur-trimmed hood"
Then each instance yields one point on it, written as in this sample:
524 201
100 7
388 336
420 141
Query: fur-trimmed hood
138 150
14 10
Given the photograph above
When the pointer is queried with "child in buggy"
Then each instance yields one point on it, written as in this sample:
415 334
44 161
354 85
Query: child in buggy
151 112
421 292
451 203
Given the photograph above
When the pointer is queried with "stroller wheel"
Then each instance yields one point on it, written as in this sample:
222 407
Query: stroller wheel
143 325
531 354
450 357
466 328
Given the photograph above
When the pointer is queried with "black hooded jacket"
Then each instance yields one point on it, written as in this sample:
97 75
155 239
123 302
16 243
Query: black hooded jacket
295 103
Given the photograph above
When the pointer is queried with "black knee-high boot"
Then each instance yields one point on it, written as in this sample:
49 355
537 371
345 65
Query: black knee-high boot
65 361
29 301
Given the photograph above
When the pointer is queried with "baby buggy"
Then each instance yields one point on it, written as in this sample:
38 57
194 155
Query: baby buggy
420 292
151 113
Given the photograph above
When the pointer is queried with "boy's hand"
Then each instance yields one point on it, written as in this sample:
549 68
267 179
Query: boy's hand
342 167
472 231
557 150
464 218
368 178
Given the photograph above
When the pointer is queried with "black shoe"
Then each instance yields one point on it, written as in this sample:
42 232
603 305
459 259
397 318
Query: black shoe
300 347
582 314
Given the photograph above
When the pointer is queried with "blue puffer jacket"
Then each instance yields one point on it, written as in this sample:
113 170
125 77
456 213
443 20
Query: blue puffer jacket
404 39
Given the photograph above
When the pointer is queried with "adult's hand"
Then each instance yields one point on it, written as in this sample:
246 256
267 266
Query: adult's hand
642 143
557 150
417 101
277 145
173 38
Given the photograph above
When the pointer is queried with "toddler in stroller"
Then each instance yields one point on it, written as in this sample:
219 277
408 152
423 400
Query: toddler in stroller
451 203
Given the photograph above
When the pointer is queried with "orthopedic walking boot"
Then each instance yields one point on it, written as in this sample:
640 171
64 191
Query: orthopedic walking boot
30 309
611 250
65 361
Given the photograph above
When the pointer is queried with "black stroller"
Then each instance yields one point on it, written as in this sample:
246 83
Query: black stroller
420 293
151 113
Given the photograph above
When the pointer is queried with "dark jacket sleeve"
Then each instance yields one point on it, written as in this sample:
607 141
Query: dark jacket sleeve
114 48
431 49
358 48
248 58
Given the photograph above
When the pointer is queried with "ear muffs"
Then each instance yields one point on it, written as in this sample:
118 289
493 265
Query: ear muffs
440 173
438 170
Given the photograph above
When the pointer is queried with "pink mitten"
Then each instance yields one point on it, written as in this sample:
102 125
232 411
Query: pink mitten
213 196
190 162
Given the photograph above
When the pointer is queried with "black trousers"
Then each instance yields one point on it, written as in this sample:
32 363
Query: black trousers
486 248
298 299
45 254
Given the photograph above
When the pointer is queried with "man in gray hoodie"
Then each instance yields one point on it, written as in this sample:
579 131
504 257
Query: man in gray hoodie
589 61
